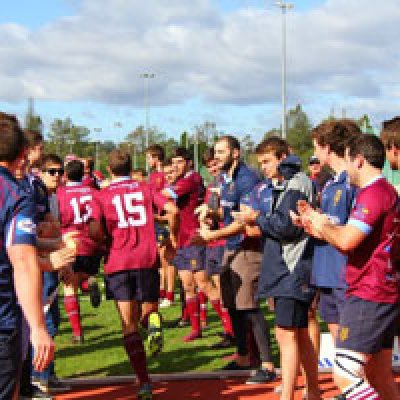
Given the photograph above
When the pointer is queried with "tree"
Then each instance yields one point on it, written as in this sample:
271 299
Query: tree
247 145
33 122
65 137
298 134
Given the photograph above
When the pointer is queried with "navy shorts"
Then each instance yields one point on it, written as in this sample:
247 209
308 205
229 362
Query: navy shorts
291 313
214 259
89 265
367 327
331 304
191 258
136 284
161 232
10 362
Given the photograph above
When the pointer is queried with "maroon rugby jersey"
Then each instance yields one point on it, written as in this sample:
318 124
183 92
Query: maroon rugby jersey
371 272
90 181
157 180
75 209
189 192
127 209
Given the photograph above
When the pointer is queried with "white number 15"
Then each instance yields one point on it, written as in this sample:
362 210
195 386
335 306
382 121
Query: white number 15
124 221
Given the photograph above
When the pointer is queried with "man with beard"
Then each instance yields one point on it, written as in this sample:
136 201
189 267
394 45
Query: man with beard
241 263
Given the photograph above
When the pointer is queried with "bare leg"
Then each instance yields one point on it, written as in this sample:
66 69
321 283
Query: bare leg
380 375
309 362
290 360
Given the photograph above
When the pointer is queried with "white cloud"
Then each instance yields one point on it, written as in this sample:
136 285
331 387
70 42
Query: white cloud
342 48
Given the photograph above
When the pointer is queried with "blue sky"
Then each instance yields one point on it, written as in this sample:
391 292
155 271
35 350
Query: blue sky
215 60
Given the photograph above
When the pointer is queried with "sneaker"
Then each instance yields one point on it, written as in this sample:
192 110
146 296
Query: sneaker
262 376
77 340
192 336
145 392
182 323
34 393
94 292
155 338
165 303
226 342
56 386
234 366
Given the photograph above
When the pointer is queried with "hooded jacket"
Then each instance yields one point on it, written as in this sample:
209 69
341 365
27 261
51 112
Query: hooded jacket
288 250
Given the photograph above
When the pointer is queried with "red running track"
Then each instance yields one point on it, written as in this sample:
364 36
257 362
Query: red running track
228 389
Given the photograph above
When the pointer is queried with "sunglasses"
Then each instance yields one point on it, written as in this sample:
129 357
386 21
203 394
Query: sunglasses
54 171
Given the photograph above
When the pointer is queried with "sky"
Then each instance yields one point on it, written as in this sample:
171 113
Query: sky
213 60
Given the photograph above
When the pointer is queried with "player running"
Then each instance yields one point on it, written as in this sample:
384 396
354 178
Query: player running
74 205
123 216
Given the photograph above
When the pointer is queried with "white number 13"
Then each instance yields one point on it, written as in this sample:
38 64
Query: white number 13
124 221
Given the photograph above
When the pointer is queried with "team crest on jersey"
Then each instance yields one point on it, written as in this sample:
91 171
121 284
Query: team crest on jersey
343 333
361 211
193 262
337 197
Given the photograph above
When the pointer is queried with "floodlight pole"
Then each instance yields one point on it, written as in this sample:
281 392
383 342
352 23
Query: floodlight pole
147 77
284 7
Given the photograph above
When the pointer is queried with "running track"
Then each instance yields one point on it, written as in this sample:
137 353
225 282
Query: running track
210 389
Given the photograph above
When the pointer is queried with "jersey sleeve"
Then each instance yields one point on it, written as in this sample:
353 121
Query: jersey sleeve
183 186
367 211
20 226
159 199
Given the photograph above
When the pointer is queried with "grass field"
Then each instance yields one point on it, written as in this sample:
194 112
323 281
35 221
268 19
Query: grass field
102 354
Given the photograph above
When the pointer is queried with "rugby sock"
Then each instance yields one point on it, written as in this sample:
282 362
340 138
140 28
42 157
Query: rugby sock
85 285
203 306
72 309
193 309
170 296
144 321
252 345
224 315
361 391
135 350
162 294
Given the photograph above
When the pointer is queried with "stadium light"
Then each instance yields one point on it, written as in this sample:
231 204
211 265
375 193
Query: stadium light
147 77
284 7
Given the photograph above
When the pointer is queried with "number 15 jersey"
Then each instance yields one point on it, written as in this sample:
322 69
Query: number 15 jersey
126 208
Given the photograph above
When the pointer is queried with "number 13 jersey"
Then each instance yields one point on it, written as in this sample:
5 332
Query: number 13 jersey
126 208
75 210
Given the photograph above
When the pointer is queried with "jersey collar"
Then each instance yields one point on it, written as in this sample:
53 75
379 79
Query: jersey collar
372 181
121 179
73 183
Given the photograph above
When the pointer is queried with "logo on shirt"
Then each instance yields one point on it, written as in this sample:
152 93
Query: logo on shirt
343 333
193 262
25 225
337 197
360 211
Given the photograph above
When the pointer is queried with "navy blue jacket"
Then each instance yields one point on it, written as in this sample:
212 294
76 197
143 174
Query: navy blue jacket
288 251
234 191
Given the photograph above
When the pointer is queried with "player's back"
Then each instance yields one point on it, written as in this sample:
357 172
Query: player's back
75 209
127 207
190 193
